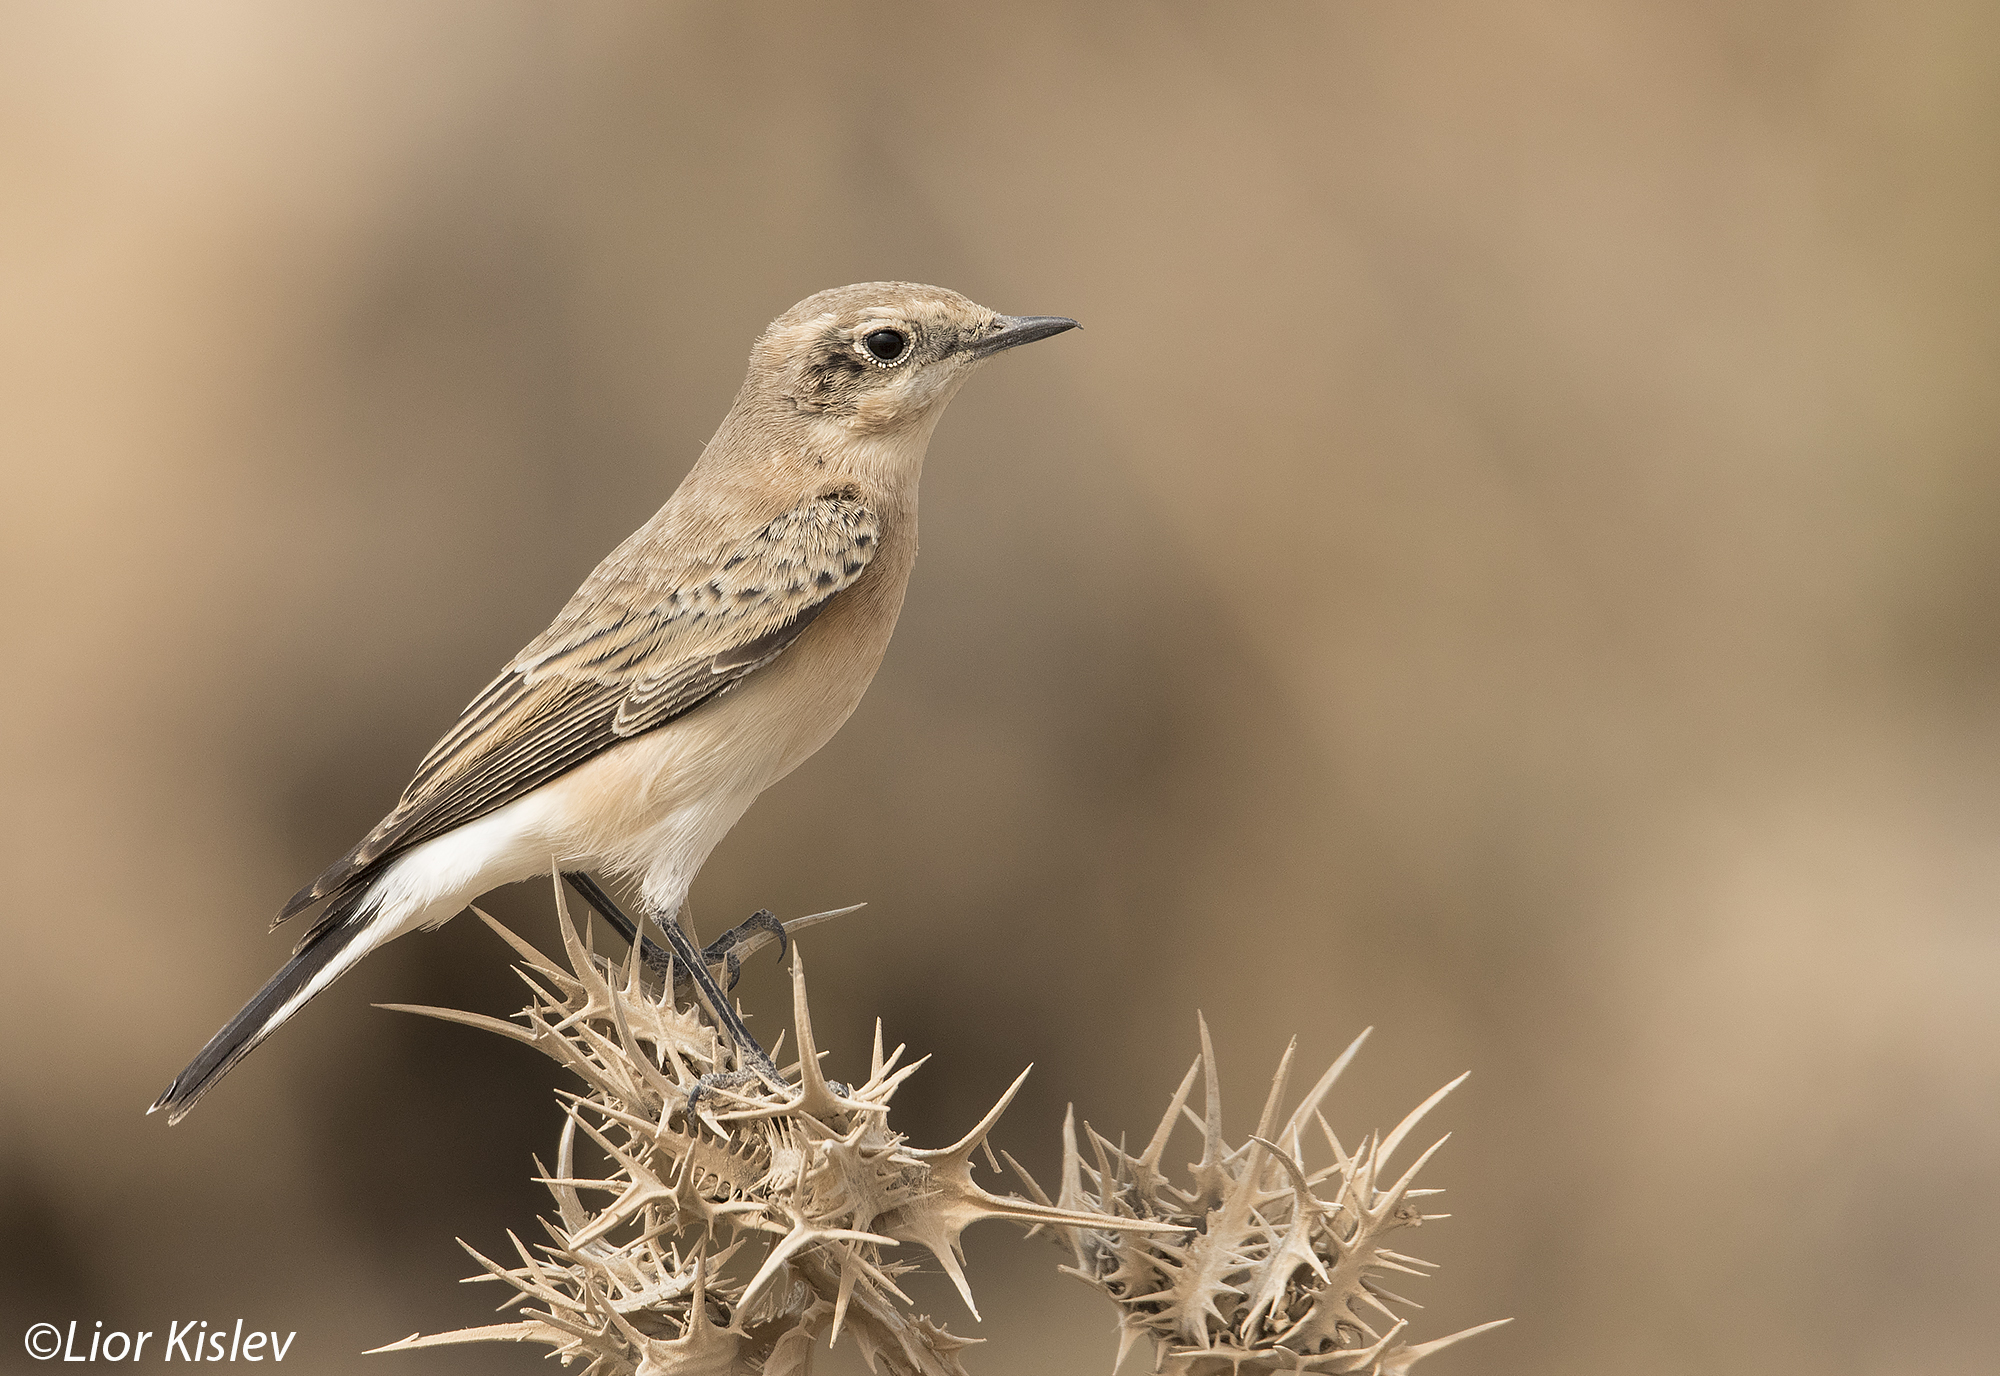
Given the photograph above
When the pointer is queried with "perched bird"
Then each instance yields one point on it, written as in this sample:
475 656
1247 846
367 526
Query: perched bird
702 661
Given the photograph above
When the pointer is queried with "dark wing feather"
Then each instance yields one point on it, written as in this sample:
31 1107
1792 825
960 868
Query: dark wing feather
622 659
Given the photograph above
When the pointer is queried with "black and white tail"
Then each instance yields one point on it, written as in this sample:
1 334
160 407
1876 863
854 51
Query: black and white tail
322 957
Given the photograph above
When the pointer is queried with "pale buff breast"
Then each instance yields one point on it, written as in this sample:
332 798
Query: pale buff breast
656 805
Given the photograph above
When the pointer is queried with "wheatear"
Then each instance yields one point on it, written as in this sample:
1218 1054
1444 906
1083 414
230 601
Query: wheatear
702 661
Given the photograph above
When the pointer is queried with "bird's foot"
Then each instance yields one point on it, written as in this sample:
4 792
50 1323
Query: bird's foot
765 1073
723 950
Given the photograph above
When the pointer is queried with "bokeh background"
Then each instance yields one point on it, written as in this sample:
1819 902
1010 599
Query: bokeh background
1511 560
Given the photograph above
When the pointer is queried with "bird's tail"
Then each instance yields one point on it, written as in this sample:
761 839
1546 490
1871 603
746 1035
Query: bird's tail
343 935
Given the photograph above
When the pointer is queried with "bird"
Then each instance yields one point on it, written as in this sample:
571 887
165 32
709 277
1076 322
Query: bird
704 659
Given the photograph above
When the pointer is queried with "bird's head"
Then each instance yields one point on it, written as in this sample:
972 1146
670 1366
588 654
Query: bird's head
881 357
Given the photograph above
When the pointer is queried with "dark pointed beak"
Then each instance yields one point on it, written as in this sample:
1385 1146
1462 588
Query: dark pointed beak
1010 330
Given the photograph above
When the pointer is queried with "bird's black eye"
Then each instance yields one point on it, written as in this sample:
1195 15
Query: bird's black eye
887 345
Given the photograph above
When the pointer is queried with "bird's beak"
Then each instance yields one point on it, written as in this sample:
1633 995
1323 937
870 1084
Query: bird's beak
1009 330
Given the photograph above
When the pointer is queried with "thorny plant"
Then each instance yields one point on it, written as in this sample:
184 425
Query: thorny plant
731 1238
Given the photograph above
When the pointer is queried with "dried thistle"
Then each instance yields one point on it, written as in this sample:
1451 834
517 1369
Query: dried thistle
1271 1266
661 1278
732 1238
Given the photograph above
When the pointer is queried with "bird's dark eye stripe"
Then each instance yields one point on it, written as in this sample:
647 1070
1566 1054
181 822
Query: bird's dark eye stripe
887 345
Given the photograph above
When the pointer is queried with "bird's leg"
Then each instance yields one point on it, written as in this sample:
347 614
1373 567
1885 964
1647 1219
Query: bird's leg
721 951
657 960
688 958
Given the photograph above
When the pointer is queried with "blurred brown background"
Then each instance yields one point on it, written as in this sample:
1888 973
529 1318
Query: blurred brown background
1511 559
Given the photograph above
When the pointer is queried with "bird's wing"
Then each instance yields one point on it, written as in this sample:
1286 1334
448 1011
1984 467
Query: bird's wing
627 655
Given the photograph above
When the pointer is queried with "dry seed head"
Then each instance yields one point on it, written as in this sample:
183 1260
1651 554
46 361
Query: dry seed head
729 1244
1272 1266
734 1242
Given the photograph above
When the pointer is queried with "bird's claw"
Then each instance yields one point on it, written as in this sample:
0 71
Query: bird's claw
766 1073
723 947
722 950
